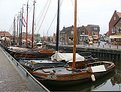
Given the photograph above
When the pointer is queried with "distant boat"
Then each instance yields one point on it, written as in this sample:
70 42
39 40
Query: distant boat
75 72
28 53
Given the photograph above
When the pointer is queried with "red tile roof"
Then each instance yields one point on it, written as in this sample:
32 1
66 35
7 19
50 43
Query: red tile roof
4 33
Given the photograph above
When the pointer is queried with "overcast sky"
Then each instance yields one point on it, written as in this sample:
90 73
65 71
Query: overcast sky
98 12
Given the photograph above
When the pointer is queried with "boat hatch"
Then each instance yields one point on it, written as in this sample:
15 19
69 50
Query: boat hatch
99 68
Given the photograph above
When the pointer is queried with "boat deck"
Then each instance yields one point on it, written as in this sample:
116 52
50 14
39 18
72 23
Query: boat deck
11 79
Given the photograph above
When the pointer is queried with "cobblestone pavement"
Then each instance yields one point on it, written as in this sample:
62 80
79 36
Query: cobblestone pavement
10 79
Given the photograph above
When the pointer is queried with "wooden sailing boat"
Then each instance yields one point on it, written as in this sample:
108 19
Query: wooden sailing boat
30 53
73 73
58 59
19 50
31 65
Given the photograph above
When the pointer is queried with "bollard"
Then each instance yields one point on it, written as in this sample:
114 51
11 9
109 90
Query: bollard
93 77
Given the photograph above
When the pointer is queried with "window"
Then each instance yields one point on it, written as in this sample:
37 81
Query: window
114 18
72 32
95 28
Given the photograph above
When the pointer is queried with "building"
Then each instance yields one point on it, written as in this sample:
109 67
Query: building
115 28
5 34
93 32
5 38
66 35
36 38
84 34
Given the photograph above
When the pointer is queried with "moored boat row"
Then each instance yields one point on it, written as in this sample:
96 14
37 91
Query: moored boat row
63 68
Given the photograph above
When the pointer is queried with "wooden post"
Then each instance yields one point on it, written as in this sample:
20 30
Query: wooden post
33 24
27 26
58 23
75 35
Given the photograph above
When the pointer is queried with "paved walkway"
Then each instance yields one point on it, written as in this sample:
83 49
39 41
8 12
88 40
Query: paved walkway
10 80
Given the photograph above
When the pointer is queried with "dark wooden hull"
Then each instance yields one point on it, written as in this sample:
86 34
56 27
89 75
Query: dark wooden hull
72 82
84 77
46 52
29 53
84 86
30 67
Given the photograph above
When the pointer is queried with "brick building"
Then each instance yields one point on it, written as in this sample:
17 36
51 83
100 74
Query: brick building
115 28
5 38
84 34
5 34
93 32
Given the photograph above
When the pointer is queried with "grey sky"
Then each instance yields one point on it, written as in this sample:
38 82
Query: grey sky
98 12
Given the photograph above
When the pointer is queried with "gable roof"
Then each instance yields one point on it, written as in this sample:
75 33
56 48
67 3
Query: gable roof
119 14
66 29
92 27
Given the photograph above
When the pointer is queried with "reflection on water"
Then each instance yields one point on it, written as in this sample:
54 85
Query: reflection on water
114 83
83 87
110 82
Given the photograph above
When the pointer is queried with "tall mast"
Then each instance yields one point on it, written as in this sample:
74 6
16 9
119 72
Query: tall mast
14 30
21 26
27 26
17 30
33 24
57 30
75 34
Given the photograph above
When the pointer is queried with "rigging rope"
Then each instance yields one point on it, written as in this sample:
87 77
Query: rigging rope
53 19
41 13
44 15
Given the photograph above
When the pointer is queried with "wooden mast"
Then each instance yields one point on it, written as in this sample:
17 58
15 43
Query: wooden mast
27 26
17 30
75 34
33 24
14 31
21 27
19 38
57 30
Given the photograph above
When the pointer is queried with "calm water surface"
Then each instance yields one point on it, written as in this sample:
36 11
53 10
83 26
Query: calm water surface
110 82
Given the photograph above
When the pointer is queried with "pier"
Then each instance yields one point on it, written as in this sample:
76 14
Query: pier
105 52
13 77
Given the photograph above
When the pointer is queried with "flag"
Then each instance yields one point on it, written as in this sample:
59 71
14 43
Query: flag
23 21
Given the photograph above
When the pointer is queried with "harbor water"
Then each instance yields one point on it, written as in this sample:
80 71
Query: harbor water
110 82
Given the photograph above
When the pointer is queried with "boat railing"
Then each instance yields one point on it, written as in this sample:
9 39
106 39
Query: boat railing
23 71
